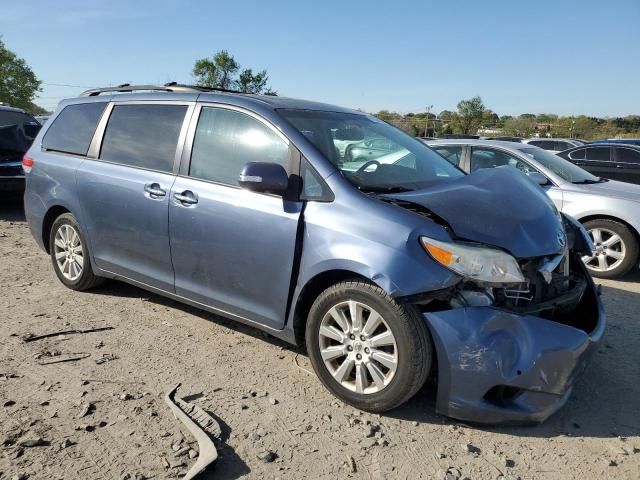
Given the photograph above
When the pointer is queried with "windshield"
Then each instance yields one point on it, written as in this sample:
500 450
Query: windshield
561 167
371 154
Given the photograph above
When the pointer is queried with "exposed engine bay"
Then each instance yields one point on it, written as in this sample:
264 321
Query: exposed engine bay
554 286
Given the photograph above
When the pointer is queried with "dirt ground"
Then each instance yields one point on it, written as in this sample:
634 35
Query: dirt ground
263 395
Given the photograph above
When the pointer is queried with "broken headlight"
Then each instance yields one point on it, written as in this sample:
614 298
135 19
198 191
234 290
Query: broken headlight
482 264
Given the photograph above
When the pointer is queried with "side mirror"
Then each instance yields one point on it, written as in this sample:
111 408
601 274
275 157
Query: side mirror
539 178
264 177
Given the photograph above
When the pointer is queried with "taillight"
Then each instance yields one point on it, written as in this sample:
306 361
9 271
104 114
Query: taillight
27 164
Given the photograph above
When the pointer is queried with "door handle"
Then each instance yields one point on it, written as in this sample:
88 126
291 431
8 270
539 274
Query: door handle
620 166
186 198
154 190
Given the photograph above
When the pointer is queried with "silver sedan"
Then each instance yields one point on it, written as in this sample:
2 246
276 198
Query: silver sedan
609 210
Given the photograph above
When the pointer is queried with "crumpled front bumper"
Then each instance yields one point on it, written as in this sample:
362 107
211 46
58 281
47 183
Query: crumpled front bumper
499 367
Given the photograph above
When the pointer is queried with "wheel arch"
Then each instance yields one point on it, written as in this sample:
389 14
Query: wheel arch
52 213
310 291
599 216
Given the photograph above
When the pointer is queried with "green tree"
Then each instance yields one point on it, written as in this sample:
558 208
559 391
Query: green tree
490 118
469 117
221 71
519 126
18 84
216 72
248 82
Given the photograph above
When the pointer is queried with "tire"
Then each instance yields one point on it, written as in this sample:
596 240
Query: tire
410 348
66 244
611 239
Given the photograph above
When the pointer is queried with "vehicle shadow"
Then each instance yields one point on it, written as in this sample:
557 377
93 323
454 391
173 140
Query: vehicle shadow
121 289
603 403
12 208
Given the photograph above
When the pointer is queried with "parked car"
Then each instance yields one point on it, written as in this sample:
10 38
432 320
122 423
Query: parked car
237 204
17 131
42 119
553 145
504 139
369 149
609 210
627 141
608 160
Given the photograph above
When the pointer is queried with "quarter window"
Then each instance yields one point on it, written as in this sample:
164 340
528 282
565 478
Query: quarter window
73 129
144 136
577 154
227 140
598 154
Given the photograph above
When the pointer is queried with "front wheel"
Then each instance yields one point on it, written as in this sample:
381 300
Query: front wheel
70 255
367 349
616 248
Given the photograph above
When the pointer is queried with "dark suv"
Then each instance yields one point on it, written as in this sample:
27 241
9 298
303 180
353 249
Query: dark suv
608 160
17 131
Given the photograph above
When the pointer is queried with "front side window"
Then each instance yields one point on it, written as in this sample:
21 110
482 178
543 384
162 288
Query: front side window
544 144
226 140
598 154
451 153
490 158
144 135
73 129
408 164
560 146
627 155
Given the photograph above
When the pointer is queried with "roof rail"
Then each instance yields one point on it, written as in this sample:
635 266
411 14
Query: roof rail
167 87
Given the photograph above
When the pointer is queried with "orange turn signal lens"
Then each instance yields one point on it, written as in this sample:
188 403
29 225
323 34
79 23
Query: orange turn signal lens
441 255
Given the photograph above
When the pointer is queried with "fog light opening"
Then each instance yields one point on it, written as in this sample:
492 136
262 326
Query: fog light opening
502 394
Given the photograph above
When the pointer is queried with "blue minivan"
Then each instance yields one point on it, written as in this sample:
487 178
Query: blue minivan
389 269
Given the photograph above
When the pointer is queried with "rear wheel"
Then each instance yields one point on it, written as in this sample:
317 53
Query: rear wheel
69 254
616 248
367 349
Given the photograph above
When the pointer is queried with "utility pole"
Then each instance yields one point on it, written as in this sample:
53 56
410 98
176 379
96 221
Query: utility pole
426 120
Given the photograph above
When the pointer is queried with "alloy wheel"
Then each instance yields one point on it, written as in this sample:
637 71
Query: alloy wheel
68 252
357 347
609 252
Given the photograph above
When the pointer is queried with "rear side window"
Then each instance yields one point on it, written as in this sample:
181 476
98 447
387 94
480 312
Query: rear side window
73 129
144 136
227 140
452 153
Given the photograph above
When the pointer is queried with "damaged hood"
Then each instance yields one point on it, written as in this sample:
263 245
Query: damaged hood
499 207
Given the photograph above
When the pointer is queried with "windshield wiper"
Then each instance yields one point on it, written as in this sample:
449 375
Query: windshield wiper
394 189
588 181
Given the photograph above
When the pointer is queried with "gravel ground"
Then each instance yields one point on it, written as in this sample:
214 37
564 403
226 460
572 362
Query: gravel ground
263 395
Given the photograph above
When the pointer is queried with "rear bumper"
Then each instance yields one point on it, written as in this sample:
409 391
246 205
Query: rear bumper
11 177
499 367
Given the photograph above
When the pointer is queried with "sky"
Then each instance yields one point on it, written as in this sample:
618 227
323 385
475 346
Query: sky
567 57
